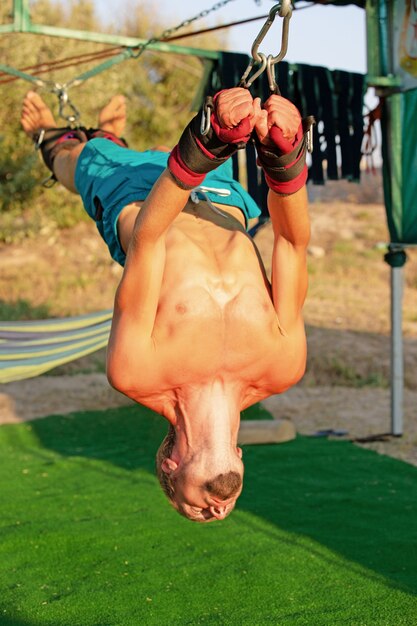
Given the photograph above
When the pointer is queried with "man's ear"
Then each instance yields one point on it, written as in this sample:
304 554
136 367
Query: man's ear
168 466
239 452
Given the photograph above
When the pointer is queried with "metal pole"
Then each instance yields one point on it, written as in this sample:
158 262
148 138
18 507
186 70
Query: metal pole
21 15
396 259
397 356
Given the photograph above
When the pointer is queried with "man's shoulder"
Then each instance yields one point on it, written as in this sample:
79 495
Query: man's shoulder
285 363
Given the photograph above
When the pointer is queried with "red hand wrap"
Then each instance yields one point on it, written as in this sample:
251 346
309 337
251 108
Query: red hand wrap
284 145
195 155
287 188
181 172
284 163
237 134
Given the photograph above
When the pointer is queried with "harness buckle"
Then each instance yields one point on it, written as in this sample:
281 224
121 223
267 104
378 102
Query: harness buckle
40 139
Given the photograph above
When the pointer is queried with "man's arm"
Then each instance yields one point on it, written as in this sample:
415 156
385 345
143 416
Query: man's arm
281 151
140 287
138 293
290 222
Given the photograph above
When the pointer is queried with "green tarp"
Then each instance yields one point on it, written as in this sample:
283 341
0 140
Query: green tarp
400 165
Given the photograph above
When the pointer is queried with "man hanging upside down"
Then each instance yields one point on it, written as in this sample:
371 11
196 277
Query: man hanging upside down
198 332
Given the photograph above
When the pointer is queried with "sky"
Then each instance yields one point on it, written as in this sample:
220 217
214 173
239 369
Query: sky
319 35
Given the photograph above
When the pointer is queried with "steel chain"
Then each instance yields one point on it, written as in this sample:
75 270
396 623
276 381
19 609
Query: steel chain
61 90
170 31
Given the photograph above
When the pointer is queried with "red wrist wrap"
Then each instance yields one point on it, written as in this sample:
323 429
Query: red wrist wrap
284 163
287 188
184 177
195 154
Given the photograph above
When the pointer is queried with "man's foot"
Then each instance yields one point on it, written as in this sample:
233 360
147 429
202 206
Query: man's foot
35 114
112 117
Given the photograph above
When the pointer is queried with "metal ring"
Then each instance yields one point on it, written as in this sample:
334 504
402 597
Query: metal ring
284 10
258 72
205 119
284 39
270 72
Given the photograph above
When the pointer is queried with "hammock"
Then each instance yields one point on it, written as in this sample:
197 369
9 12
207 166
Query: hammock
28 349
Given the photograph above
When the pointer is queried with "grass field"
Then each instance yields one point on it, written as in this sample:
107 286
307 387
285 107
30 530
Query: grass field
324 533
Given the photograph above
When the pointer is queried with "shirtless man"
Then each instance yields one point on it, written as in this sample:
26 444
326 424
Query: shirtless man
198 332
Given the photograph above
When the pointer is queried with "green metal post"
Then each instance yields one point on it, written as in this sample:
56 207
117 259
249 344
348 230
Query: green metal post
379 50
372 35
22 23
120 40
380 24
384 38
21 14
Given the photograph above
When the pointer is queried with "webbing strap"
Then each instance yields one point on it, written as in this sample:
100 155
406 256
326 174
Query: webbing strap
51 86
123 56
28 77
128 52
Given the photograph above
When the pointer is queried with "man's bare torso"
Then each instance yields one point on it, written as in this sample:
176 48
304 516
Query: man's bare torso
215 316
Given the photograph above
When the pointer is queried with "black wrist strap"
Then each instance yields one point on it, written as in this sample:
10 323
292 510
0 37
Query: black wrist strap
284 167
46 140
192 153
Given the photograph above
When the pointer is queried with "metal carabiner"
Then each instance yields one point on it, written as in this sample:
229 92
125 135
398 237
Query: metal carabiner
64 102
247 83
284 9
270 72
205 122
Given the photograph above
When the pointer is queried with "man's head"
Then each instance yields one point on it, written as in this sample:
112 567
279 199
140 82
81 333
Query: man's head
200 488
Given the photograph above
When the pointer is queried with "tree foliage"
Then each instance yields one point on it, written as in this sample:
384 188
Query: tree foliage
159 88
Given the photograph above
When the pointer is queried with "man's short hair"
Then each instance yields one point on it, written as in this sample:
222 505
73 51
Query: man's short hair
164 452
223 486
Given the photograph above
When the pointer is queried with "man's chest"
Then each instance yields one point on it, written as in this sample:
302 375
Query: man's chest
199 337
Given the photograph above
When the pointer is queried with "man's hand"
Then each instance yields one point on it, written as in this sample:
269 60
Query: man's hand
233 106
278 120
231 125
281 145
234 115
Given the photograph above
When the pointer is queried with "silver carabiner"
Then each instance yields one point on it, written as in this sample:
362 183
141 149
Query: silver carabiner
247 83
284 9
64 102
270 72
206 118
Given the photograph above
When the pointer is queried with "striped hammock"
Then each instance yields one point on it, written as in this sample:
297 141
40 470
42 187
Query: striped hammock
28 349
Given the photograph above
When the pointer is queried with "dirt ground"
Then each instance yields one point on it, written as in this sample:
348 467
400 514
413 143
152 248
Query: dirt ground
346 386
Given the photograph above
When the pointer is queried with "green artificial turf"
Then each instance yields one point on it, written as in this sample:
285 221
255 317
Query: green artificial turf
324 533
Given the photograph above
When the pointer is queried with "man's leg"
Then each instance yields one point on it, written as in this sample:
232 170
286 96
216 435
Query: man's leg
37 116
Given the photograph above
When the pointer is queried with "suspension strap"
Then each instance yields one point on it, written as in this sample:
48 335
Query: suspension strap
19 74
67 109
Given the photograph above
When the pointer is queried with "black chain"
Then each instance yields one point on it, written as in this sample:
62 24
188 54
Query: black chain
170 31
132 52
